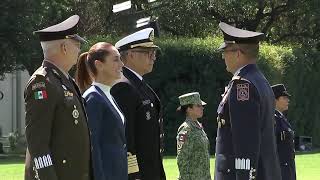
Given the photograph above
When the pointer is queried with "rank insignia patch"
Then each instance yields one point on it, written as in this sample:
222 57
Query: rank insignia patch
38 85
243 92
182 137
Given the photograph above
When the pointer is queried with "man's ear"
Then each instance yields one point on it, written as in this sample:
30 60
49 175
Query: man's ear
63 48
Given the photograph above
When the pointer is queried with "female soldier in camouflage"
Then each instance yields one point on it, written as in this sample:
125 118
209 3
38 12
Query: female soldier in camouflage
193 156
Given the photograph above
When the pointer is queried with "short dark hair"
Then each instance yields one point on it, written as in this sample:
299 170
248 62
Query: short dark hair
183 109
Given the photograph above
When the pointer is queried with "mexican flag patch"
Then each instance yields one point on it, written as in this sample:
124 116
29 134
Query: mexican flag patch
40 94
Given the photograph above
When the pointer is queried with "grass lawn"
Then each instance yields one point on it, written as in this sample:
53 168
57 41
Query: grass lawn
307 167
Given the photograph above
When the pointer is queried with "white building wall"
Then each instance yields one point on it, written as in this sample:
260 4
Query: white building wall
12 111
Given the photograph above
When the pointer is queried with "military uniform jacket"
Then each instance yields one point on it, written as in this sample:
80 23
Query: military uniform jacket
56 128
245 143
285 146
144 131
193 156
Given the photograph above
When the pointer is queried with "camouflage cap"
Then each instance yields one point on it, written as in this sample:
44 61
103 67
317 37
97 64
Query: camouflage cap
191 98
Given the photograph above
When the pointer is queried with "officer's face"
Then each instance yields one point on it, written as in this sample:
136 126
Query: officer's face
144 59
111 68
196 111
230 57
71 50
282 103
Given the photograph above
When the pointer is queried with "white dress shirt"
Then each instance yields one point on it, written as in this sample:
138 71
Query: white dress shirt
106 90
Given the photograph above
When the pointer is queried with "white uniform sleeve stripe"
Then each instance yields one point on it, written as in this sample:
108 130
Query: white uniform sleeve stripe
49 160
237 163
45 162
36 163
248 164
243 163
40 162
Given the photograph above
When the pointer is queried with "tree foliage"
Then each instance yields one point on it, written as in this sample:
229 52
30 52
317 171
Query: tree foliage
283 21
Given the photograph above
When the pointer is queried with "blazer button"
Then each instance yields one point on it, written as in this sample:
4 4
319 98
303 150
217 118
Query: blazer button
228 170
64 161
151 104
76 122
124 145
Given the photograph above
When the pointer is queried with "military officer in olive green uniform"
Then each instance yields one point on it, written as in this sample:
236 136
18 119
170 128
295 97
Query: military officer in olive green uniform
56 124
193 156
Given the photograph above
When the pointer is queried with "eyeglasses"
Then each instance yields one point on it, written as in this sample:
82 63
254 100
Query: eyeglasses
229 50
148 52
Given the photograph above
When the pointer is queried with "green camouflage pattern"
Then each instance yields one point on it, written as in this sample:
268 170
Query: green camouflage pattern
191 98
193 156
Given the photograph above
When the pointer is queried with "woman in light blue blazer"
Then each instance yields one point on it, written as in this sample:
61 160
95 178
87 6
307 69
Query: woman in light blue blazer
97 70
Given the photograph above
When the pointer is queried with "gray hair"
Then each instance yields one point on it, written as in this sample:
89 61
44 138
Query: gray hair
51 47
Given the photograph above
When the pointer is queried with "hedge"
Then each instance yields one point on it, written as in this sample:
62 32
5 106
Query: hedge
192 64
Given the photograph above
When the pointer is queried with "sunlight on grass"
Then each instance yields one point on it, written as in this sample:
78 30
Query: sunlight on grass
307 167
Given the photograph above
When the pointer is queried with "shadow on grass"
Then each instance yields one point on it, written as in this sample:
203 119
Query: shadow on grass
316 151
11 159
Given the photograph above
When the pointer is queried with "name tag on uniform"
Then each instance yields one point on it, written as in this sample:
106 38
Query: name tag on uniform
68 95
132 163
145 102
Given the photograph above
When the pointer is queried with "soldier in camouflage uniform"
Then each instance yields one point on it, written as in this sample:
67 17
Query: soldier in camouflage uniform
193 156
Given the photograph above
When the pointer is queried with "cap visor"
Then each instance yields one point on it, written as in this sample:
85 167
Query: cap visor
222 46
285 93
151 46
77 38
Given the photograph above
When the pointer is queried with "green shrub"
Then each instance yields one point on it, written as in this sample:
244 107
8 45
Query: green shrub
193 64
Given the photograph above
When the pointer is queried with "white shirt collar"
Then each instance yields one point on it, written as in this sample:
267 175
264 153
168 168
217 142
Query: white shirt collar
106 91
279 112
103 87
138 75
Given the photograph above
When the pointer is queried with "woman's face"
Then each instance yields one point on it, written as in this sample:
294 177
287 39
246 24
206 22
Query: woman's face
196 111
282 103
111 68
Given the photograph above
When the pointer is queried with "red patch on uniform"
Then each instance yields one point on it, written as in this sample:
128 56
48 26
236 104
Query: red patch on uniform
182 137
243 92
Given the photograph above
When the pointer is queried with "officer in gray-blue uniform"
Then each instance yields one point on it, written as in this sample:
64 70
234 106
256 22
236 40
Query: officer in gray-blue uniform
284 134
245 143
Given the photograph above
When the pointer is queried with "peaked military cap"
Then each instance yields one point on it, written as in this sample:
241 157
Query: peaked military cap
143 39
233 35
64 30
280 90
191 98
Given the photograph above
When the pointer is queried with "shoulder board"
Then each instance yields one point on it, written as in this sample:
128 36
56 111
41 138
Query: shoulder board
240 78
184 126
41 71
